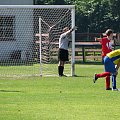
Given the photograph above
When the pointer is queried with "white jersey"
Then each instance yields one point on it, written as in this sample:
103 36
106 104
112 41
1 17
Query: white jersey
63 41
109 44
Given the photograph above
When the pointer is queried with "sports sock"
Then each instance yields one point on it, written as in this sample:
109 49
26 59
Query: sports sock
60 70
103 74
114 81
107 82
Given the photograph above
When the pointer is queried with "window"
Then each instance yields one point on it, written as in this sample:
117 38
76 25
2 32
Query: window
7 28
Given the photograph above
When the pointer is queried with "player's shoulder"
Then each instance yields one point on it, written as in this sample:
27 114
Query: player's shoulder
62 35
105 39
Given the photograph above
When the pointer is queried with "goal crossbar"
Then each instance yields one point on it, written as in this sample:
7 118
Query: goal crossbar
38 6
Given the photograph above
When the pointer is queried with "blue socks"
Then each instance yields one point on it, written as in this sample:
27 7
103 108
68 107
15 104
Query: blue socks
114 81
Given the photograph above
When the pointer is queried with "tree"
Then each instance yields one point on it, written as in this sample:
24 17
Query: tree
97 15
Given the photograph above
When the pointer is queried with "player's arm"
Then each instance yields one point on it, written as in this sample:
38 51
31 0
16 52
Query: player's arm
74 28
98 39
69 31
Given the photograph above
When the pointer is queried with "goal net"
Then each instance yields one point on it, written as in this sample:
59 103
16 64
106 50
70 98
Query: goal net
29 38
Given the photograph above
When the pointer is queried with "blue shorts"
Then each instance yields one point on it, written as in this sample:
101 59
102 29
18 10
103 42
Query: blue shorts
109 65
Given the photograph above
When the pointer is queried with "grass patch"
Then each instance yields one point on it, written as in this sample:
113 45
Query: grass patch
59 98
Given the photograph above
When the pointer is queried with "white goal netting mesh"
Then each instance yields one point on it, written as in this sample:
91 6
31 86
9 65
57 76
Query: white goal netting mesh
21 30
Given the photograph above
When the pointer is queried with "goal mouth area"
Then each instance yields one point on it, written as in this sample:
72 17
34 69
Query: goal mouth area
36 30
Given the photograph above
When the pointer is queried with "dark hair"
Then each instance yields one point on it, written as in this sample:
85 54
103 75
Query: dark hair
108 32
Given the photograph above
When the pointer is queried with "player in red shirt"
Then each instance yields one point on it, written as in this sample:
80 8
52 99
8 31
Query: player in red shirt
106 43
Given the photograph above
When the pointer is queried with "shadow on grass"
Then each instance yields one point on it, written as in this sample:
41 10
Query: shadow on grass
90 63
81 76
9 91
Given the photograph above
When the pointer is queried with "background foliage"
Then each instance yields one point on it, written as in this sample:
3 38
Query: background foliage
93 15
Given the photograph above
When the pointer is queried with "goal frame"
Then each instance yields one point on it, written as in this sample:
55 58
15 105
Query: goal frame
72 7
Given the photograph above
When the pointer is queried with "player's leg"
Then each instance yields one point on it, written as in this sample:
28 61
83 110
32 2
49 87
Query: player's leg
111 68
107 80
61 68
59 64
104 74
108 83
61 57
113 81
65 58
107 64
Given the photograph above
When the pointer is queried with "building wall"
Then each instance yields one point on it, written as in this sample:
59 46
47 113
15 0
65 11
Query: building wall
23 30
23 33
16 2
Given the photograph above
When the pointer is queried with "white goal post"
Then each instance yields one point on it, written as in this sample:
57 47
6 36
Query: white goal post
29 36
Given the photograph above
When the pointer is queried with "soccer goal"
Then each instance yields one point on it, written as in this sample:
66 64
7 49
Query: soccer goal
29 37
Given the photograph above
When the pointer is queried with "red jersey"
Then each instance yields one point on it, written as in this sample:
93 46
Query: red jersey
106 46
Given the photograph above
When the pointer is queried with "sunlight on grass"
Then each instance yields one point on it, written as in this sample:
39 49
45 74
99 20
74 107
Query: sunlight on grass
59 98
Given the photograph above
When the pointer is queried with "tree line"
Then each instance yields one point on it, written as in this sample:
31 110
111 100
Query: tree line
93 15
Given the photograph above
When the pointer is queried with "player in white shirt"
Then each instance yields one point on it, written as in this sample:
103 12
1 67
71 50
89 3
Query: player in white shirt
63 49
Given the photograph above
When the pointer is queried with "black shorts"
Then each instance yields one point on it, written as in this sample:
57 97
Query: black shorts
63 55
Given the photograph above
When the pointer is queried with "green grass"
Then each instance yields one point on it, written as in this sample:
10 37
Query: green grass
59 98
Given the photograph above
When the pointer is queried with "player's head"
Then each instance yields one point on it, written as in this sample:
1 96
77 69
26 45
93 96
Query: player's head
109 32
65 29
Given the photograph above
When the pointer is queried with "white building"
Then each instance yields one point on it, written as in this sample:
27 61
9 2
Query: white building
16 30
17 2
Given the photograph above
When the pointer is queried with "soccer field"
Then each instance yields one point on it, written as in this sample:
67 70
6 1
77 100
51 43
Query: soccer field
59 98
